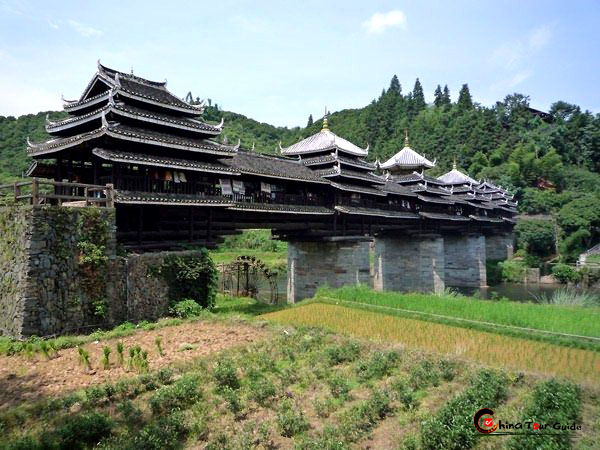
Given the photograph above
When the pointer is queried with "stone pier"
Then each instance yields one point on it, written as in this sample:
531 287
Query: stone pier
411 263
465 260
325 263
499 246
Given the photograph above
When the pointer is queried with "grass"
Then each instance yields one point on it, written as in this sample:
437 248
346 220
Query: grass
301 387
561 319
274 260
570 297
486 348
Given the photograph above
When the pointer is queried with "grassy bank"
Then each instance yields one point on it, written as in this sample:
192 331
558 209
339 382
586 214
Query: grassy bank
486 348
257 243
555 318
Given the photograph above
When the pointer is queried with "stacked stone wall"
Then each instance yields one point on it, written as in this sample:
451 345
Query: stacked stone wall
334 264
499 247
465 257
48 288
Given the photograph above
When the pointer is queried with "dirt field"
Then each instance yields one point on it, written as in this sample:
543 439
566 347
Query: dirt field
24 379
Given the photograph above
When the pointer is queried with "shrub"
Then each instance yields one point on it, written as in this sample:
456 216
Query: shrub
405 395
565 273
180 394
451 427
552 402
234 400
162 434
261 389
190 276
361 418
225 374
339 387
78 432
290 418
423 375
513 270
378 366
186 308
346 352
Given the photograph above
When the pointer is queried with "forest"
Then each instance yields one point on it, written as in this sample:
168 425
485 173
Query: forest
549 161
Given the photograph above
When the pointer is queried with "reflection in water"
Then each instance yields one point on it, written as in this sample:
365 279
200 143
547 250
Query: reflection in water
519 292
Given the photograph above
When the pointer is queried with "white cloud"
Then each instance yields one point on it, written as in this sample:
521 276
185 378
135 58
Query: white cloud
539 38
519 77
84 30
379 22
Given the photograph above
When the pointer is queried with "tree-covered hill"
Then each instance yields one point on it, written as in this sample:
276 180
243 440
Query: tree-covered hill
550 162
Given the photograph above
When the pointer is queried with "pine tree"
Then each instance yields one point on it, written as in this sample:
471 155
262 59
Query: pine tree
465 102
310 121
438 96
395 85
418 98
446 96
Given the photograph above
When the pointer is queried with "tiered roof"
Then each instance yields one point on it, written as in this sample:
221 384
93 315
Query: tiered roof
118 110
337 160
407 160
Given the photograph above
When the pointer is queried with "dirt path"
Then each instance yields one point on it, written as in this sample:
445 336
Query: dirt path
23 379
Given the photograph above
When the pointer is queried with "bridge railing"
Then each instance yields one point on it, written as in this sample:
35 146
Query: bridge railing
46 192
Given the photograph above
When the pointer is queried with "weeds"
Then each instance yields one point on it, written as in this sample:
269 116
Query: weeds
106 358
225 374
158 343
290 418
84 358
378 366
120 350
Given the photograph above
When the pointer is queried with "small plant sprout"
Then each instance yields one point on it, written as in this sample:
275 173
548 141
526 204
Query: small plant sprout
84 358
120 349
106 358
158 342
45 349
131 357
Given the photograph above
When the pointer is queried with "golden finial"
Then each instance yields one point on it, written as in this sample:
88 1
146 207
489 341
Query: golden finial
325 122
454 163
406 143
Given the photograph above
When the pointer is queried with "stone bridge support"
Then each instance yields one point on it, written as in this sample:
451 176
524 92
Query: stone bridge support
499 246
465 260
411 263
326 263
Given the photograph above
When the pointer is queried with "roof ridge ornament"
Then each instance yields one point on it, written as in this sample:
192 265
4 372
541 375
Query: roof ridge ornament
406 141
454 163
220 126
104 121
325 121
280 148
237 146
62 97
117 79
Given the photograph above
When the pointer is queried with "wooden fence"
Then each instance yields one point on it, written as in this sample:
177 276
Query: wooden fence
48 192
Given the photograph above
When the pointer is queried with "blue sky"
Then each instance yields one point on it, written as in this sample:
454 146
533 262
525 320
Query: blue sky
279 61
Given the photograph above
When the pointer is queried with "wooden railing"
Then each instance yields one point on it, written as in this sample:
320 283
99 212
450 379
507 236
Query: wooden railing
46 192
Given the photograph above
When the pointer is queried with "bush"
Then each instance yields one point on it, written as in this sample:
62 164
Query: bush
225 374
565 273
180 394
190 276
536 237
346 352
380 365
553 402
290 418
339 387
261 389
452 427
79 432
186 308
361 418
513 270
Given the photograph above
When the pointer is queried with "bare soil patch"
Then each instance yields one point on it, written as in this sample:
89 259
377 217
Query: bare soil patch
23 379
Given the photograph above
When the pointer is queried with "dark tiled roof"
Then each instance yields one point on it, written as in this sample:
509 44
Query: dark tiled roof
170 199
390 214
280 208
318 160
394 188
416 177
252 163
161 161
157 138
439 200
355 188
347 173
440 216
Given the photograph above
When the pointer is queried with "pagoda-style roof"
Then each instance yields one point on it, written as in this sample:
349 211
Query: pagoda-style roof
391 187
118 109
338 171
407 159
357 188
323 141
441 216
252 163
388 214
128 85
166 162
131 134
418 177
334 157
456 177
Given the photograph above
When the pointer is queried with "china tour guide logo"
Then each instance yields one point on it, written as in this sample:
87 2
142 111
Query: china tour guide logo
483 421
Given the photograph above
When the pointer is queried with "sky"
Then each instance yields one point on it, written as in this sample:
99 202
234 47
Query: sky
279 61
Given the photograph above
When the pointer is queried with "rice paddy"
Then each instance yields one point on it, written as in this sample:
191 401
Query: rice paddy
482 347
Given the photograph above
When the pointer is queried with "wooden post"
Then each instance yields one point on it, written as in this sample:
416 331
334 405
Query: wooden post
17 191
110 195
85 194
191 224
35 191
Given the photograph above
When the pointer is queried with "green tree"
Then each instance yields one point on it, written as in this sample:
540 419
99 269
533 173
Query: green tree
310 121
446 96
465 102
438 97
537 237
